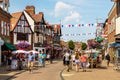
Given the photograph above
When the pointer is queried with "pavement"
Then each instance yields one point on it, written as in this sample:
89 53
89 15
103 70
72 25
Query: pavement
51 71
6 75
103 73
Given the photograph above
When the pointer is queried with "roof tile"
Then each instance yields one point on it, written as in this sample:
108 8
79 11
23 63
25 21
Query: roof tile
14 19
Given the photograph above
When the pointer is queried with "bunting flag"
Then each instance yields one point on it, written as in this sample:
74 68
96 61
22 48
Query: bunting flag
87 25
82 34
69 25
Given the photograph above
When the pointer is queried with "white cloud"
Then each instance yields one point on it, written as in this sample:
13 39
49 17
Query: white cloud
62 9
74 17
67 13
75 2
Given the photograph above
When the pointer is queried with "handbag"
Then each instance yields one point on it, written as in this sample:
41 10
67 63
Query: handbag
88 64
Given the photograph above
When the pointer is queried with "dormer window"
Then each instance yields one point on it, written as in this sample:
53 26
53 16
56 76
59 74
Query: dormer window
4 4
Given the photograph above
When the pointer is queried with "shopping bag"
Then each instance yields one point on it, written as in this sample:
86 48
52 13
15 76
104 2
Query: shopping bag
88 64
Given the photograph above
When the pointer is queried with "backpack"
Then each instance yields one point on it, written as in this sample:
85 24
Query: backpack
107 57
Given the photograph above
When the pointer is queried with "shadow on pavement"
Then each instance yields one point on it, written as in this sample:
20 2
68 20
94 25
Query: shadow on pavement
4 77
11 78
102 67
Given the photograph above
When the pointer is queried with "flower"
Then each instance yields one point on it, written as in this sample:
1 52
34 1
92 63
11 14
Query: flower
23 44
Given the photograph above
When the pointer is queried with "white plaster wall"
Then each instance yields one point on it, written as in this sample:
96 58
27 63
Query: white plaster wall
30 21
15 39
118 25
29 38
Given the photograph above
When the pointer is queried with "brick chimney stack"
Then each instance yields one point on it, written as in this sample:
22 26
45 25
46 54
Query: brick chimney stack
30 10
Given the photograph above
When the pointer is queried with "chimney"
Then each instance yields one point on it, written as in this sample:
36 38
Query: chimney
30 10
114 0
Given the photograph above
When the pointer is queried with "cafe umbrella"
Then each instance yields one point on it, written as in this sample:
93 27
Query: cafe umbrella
19 51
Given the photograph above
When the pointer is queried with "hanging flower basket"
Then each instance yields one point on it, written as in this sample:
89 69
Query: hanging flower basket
48 47
23 44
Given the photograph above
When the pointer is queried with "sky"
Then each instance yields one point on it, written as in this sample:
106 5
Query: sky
69 12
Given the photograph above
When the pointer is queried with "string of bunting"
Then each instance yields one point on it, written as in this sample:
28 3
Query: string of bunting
61 25
79 34
87 25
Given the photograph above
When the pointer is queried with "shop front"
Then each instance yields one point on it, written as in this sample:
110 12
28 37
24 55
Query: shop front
114 50
6 48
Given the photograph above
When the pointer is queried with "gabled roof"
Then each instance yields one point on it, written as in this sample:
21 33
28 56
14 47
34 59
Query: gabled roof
38 17
14 19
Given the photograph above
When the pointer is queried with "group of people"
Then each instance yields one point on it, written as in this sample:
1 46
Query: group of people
80 60
41 59
17 61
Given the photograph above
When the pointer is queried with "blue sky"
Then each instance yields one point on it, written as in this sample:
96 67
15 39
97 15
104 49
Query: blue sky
69 12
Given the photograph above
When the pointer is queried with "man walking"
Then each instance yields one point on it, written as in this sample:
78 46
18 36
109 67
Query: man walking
67 58
31 60
108 59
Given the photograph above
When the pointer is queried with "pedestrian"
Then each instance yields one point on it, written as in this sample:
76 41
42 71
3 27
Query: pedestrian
73 59
51 58
42 58
48 57
83 60
67 58
108 59
77 61
9 62
19 63
31 60
39 58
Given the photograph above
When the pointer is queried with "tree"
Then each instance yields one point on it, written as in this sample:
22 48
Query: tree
84 46
99 39
71 45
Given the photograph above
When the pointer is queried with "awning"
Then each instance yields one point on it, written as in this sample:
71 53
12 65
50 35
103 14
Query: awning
8 46
55 44
116 45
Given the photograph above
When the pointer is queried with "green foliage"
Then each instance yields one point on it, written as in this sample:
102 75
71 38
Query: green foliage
84 46
92 44
71 45
99 39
